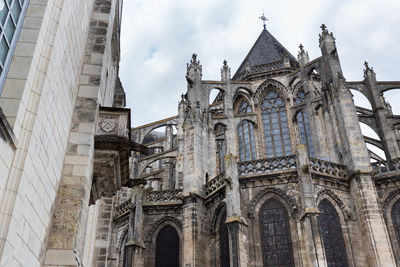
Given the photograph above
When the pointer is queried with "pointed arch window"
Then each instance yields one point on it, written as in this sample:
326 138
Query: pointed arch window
305 132
396 219
244 107
167 247
275 235
276 129
223 242
246 141
303 124
332 235
300 98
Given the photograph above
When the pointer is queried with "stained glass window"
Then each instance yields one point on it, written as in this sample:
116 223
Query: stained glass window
275 235
221 146
332 236
396 219
247 146
305 132
300 98
276 129
167 247
223 242
10 24
244 107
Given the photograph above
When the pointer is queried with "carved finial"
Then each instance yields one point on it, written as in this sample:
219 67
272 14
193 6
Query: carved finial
194 66
368 70
301 48
225 71
194 58
323 27
264 19
302 56
325 32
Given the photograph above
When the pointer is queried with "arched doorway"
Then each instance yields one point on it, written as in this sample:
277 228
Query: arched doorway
167 247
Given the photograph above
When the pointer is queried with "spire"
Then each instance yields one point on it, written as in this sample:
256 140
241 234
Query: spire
225 71
325 33
264 19
368 71
302 56
193 69
265 50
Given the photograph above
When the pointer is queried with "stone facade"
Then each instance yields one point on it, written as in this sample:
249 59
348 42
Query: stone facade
204 172
64 67
274 170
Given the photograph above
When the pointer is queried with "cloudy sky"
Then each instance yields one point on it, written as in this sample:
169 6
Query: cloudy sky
159 37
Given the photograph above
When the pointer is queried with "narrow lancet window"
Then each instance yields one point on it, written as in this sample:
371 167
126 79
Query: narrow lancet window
276 129
303 124
244 107
305 132
247 147
223 242
332 236
275 235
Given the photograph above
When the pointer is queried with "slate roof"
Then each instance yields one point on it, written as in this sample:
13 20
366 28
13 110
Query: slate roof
264 51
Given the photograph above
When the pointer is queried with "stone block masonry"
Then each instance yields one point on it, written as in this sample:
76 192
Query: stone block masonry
42 97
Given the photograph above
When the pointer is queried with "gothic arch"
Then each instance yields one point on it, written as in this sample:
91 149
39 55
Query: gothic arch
344 212
244 92
239 100
334 233
293 80
283 91
143 168
391 199
254 208
299 85
157 226
288 201
157 125
388 202
123 236
217 211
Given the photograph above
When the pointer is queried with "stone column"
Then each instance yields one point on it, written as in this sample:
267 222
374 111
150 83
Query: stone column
381 111
375 240
237 227
310 212
134 247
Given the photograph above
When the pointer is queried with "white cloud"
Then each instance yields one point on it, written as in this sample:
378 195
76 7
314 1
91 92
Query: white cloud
158 38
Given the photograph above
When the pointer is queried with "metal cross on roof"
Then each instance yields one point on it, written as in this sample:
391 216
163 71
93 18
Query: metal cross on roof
264 19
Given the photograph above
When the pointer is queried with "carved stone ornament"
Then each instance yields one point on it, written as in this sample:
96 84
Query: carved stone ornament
107 125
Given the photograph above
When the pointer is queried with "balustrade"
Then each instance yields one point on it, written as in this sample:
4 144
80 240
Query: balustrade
215 184
328 168
382 167
265 166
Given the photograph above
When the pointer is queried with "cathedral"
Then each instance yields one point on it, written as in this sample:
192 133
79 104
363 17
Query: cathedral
272 171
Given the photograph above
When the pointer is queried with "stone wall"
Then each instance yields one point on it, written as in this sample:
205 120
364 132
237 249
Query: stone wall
38 100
